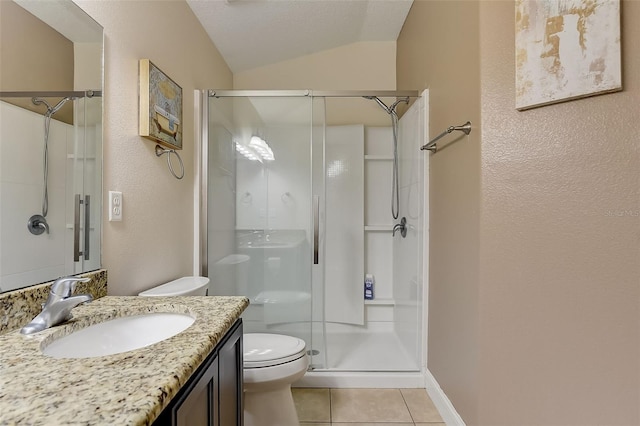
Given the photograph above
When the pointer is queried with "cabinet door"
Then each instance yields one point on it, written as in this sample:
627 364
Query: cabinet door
197 409
230 380
213 395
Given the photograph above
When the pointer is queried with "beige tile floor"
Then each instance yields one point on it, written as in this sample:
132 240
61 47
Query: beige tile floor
365 407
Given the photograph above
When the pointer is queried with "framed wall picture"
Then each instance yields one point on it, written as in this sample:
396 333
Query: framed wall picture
160 106
566 49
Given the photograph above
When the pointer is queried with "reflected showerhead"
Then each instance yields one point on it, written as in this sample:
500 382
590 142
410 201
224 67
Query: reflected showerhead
39 101
51 110
58 105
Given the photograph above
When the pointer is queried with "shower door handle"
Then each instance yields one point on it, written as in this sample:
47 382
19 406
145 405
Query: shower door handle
87 226
76 228
316 227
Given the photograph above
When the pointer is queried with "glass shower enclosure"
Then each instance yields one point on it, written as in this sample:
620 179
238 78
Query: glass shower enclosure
296 187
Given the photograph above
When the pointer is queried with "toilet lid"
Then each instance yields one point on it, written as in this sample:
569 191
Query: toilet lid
264 350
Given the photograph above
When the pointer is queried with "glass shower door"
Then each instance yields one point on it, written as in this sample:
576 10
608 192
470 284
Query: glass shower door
84 191
260 223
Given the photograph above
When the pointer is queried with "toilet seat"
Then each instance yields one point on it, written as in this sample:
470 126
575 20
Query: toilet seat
267 350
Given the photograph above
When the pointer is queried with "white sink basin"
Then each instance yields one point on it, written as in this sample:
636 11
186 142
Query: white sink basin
119 335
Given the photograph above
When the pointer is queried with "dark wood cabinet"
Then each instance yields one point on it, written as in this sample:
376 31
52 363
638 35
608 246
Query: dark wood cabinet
213 394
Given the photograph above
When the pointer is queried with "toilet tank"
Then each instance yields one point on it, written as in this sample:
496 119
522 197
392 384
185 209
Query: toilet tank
185 286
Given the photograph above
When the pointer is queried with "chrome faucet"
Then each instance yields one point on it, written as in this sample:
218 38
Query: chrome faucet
402 227
58 306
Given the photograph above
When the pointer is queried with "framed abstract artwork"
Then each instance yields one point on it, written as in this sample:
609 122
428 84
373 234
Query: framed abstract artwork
566 49
160 106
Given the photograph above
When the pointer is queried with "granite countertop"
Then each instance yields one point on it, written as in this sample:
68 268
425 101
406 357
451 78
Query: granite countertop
130 388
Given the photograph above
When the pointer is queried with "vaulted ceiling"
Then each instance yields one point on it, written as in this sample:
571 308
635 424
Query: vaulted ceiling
253 33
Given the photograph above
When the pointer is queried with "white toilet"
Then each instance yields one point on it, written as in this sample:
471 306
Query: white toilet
272 362
185 286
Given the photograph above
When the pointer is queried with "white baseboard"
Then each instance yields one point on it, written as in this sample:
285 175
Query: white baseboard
442 403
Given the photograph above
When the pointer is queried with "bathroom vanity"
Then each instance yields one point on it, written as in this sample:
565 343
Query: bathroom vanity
192 378
213 394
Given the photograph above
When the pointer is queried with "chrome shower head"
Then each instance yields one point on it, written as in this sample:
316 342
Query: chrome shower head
382 104
395 104
391 110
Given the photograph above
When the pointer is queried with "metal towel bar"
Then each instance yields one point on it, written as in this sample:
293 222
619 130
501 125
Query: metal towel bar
431 146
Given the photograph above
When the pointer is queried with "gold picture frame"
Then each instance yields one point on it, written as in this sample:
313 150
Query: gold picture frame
160 106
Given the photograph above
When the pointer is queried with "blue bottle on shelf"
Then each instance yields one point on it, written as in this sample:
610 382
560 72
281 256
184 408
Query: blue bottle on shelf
368 287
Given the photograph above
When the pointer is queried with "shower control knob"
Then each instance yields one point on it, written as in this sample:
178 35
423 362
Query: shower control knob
37 224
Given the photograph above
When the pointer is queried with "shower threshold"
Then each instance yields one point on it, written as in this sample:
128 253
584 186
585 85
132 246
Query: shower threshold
361 379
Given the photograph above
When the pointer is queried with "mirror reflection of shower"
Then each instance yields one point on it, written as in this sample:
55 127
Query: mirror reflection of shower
391 110
37 223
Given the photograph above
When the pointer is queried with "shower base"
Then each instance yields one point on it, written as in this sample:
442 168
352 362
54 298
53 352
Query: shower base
363 358
356 357
367 350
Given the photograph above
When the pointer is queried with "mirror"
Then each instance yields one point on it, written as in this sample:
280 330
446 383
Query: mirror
51 80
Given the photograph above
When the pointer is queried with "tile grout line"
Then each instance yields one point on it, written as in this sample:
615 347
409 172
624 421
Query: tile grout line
407 405
331 422
330 406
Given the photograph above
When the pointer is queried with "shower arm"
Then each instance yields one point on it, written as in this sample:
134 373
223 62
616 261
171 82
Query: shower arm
431 145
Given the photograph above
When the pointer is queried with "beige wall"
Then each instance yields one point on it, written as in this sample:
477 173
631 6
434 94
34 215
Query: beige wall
33 57
88 65
560 271
357 66
542 288
154 242
441 54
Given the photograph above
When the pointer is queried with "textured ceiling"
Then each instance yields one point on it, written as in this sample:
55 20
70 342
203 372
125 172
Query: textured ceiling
252 33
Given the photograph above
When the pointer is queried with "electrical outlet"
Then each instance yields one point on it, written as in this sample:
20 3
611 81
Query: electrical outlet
115 206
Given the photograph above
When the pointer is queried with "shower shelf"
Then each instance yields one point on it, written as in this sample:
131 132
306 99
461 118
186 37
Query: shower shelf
378 157
385 302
